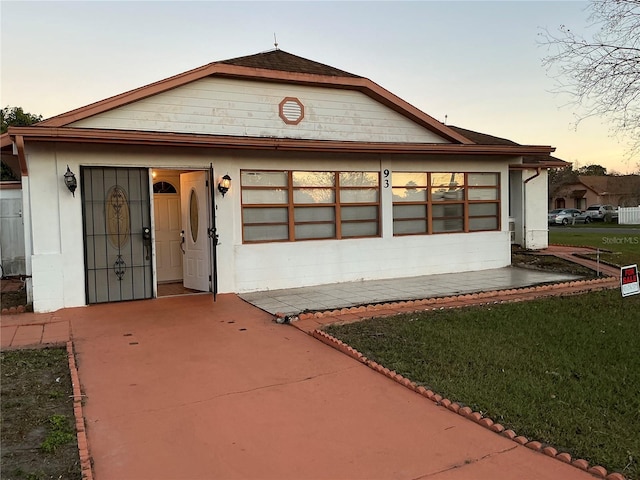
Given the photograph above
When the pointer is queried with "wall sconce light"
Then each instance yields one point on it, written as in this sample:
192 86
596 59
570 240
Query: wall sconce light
70 181
224 184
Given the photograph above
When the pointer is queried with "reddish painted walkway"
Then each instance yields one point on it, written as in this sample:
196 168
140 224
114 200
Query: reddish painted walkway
181 388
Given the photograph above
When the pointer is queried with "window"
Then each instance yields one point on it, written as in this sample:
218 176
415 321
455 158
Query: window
446 202
163 187
483 201
309 205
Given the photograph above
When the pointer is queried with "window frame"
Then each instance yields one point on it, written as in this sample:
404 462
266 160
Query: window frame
337 205
429 203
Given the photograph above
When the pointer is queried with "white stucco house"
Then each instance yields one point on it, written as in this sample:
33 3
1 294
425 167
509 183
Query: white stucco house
264 172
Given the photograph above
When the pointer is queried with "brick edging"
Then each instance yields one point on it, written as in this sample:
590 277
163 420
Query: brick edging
464 411
13 310
83 444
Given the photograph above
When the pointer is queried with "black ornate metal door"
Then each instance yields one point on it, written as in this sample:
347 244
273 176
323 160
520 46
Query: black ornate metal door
116 208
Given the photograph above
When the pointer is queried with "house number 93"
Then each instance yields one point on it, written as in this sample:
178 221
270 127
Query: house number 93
386 174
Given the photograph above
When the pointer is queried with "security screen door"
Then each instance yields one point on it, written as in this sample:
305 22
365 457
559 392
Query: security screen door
116 208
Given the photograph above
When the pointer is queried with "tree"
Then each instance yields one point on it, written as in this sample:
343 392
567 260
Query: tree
602 73
16 117
597 170
562 176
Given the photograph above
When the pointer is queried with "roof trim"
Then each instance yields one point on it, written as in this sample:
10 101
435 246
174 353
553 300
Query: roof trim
22 159
5 140
128 137
533 166
10 185
219 69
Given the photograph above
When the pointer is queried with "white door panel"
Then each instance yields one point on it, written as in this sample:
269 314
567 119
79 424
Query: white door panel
197 247
168 226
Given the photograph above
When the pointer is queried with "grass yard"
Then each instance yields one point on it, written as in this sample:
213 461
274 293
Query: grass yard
38 427
624 247
564 371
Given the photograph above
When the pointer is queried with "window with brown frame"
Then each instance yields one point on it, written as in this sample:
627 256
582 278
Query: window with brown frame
309 205
445 202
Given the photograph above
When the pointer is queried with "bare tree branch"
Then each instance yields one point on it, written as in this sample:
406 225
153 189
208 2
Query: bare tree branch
601 74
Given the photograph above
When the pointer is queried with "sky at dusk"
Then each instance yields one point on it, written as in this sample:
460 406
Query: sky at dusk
477 64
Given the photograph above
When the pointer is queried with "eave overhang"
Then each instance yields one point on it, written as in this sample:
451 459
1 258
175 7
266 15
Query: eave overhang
127 137
6 146
542 164
5 141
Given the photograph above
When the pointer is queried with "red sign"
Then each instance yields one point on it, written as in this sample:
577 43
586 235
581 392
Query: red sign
629 284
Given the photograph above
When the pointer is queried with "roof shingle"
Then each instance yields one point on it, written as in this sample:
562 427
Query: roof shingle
286 62
481 138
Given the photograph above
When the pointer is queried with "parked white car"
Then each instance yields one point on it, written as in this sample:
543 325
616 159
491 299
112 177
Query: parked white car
563 216
601 213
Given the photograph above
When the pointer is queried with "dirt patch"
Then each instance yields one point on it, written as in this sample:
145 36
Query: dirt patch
13 299
550 263
14 294
38 427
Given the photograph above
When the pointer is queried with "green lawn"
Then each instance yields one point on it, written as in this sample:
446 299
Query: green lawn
564 371
624 247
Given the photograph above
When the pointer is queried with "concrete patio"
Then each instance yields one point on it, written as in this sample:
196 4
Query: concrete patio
339 295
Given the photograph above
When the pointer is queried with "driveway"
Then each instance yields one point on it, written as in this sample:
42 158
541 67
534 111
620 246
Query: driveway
182 388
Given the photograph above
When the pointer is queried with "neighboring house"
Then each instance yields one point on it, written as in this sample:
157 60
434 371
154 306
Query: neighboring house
302 174
619 191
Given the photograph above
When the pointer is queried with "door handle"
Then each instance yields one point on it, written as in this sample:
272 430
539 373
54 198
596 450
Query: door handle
146 238
182 241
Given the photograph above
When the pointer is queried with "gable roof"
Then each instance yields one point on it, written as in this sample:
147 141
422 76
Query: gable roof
280 67
272 66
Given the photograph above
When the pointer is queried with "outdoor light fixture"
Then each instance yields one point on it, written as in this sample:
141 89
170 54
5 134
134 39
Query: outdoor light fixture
70 181
224 184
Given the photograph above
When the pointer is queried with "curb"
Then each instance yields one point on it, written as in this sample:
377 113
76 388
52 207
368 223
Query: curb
83 444
464 411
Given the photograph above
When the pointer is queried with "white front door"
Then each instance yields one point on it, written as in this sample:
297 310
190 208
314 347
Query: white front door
168 225
197 245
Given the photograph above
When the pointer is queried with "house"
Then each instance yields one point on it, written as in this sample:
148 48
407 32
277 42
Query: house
264 172
616 190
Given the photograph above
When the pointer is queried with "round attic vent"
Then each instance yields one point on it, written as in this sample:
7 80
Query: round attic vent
291 111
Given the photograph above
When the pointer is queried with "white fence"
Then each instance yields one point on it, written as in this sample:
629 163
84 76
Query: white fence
11 232
629 215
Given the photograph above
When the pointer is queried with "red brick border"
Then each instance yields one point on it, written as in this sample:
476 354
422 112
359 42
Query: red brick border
466 412
14 310
83 444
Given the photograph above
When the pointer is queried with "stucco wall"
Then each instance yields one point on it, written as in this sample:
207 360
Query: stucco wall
57 258
536 228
